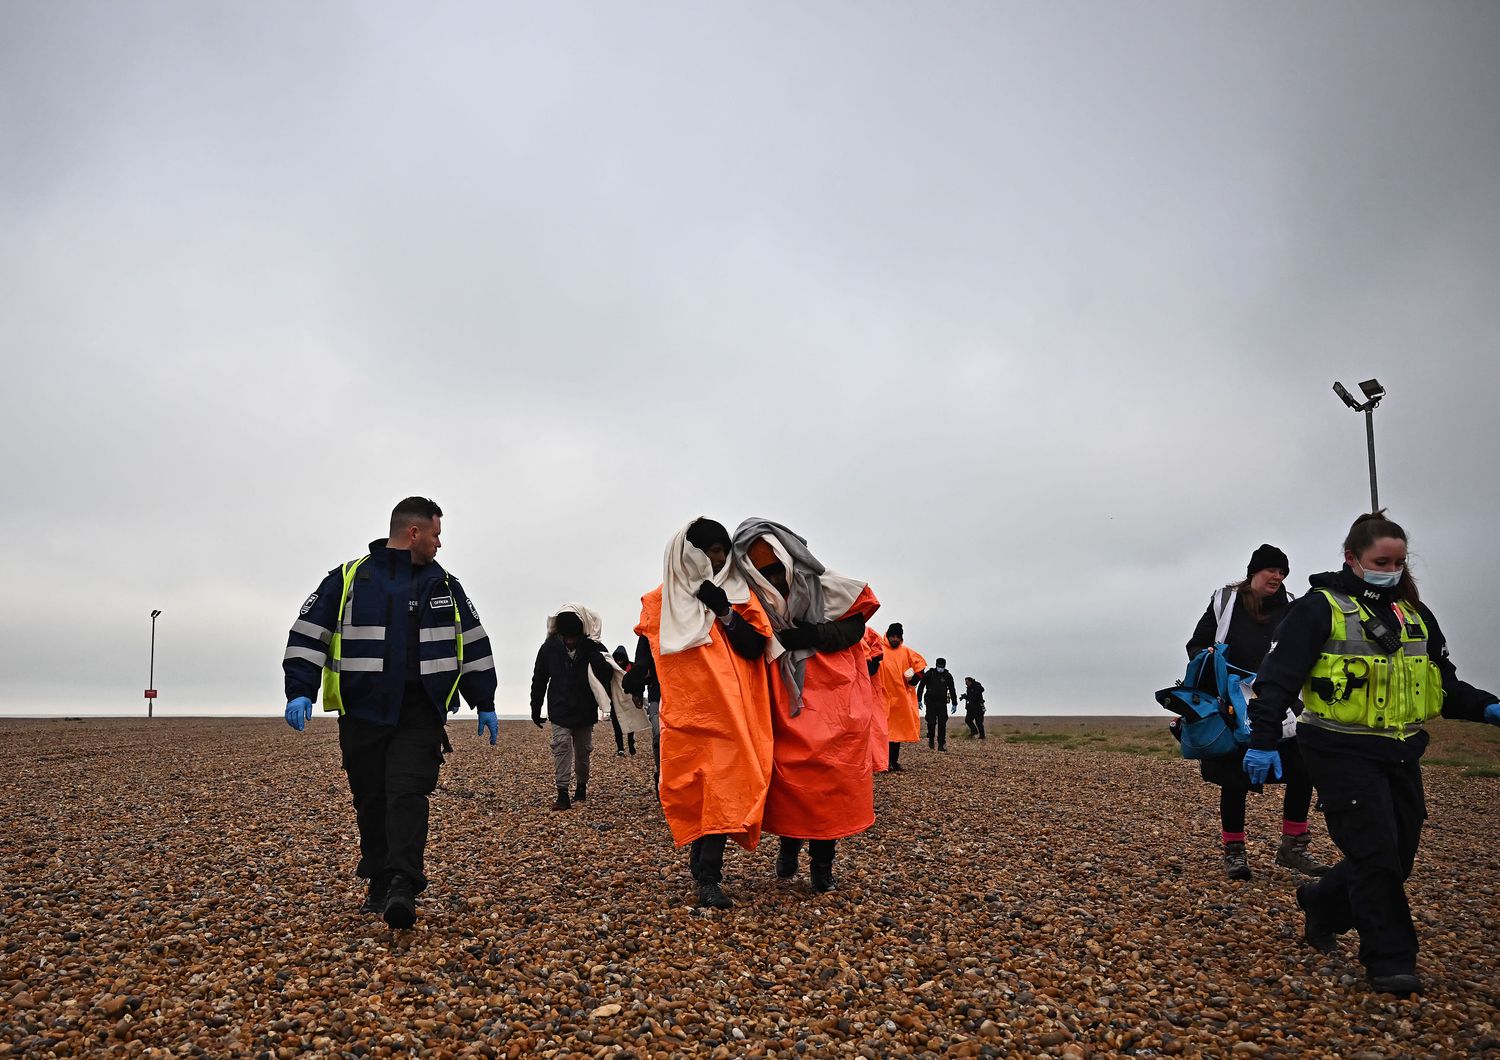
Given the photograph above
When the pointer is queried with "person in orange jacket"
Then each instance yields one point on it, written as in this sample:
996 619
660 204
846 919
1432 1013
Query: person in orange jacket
900 670
880 729
821 709
709 636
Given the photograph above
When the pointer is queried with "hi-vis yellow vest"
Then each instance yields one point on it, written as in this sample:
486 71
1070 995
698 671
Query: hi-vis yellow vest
1355 687
333 699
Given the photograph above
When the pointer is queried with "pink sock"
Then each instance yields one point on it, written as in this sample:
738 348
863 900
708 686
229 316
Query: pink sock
1233 837
1293 827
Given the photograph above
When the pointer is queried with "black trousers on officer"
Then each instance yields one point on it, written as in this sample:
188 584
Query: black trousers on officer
392 770
707 858
1370 788
974 719
937 725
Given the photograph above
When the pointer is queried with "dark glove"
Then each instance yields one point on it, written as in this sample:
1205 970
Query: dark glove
803 634
538 722
714 598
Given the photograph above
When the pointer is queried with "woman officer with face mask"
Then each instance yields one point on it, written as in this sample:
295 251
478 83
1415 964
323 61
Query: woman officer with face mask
1371 665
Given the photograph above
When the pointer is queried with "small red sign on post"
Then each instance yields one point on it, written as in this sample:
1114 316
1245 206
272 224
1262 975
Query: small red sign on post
150 693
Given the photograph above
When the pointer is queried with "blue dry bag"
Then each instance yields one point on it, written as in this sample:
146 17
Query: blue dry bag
1210 699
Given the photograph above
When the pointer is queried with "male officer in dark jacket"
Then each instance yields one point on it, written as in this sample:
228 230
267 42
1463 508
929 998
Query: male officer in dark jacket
936 690
973 698
391 638
561 675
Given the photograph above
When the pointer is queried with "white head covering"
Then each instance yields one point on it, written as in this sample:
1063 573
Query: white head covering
685 621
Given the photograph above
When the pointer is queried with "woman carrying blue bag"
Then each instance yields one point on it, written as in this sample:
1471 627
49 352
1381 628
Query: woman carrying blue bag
1244 616
1371 665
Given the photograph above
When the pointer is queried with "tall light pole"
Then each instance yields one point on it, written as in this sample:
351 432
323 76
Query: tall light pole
1373 392
151 680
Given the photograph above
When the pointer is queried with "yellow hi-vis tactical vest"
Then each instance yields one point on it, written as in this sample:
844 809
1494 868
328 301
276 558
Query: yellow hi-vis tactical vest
1355 687
333 700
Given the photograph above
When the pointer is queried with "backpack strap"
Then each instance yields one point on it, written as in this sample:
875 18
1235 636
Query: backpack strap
1223 604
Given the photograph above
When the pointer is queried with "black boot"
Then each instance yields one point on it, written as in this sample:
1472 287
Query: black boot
400 903
1236 865
562 802
787 857
1314 932
710 895
375 895
822 866
1403 983
582 792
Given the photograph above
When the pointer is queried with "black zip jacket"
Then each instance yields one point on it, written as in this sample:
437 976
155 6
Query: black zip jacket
1248 639
974 697
936 689
565 682
1299 641
640 679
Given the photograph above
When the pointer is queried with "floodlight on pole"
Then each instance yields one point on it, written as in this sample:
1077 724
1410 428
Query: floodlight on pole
151 679
1373 392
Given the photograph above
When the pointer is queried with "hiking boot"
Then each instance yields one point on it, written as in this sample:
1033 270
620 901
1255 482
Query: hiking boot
400 903
375 896
1292 854
562 802
1236 867
1403 983
1314 932
786 860
583 791
822 879
897 768
711 896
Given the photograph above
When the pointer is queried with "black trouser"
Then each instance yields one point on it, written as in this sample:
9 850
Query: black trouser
895 756
937 725
974 719
707 859
821 852
1296 801
1370 789
392 770
620 734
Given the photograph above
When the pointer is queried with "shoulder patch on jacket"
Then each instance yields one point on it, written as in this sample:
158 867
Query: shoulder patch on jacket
440 603
307 605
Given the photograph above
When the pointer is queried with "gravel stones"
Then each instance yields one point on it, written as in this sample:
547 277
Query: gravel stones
159 893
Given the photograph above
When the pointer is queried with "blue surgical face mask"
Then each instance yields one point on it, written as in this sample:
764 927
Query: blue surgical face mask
1383 579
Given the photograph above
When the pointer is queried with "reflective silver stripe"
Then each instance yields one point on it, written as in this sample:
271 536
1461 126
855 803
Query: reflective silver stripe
438 666
366 666
1394 733
364 633
438 633
487 663
474 633
1353 647
307 629
312 655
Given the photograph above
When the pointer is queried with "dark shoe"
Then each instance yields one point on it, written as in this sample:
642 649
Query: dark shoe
582 793
711 896
400 903
562 802
786 860
897 768
943 747
823 881
1396 984
1292 854
375 896
1236 867
619 752
1314 932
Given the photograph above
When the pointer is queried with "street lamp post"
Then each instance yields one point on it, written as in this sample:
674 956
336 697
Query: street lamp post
1373 392
151 679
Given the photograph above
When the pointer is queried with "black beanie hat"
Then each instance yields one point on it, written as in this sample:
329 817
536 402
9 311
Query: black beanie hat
895 630
1267 557
568 624
705 533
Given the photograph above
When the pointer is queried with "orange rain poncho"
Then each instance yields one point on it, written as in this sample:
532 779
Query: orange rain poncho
715 731
900 698
880 727
821 787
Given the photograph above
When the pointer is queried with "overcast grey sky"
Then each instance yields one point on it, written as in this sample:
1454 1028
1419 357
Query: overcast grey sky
1026 313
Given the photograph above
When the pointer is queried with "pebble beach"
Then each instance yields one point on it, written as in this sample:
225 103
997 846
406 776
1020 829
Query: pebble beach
183 887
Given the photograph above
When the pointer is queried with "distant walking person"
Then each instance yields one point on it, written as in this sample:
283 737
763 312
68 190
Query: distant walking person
973 698
900 670
622 660
642 685
561 675
391 638
936 691
1243 616
1371 665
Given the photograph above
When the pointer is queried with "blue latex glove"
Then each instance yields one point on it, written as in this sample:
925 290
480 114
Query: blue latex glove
1492 713
299 713
1260 764
488 720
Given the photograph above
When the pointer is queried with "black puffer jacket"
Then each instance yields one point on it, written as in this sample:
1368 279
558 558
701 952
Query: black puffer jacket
565 682
1248 639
